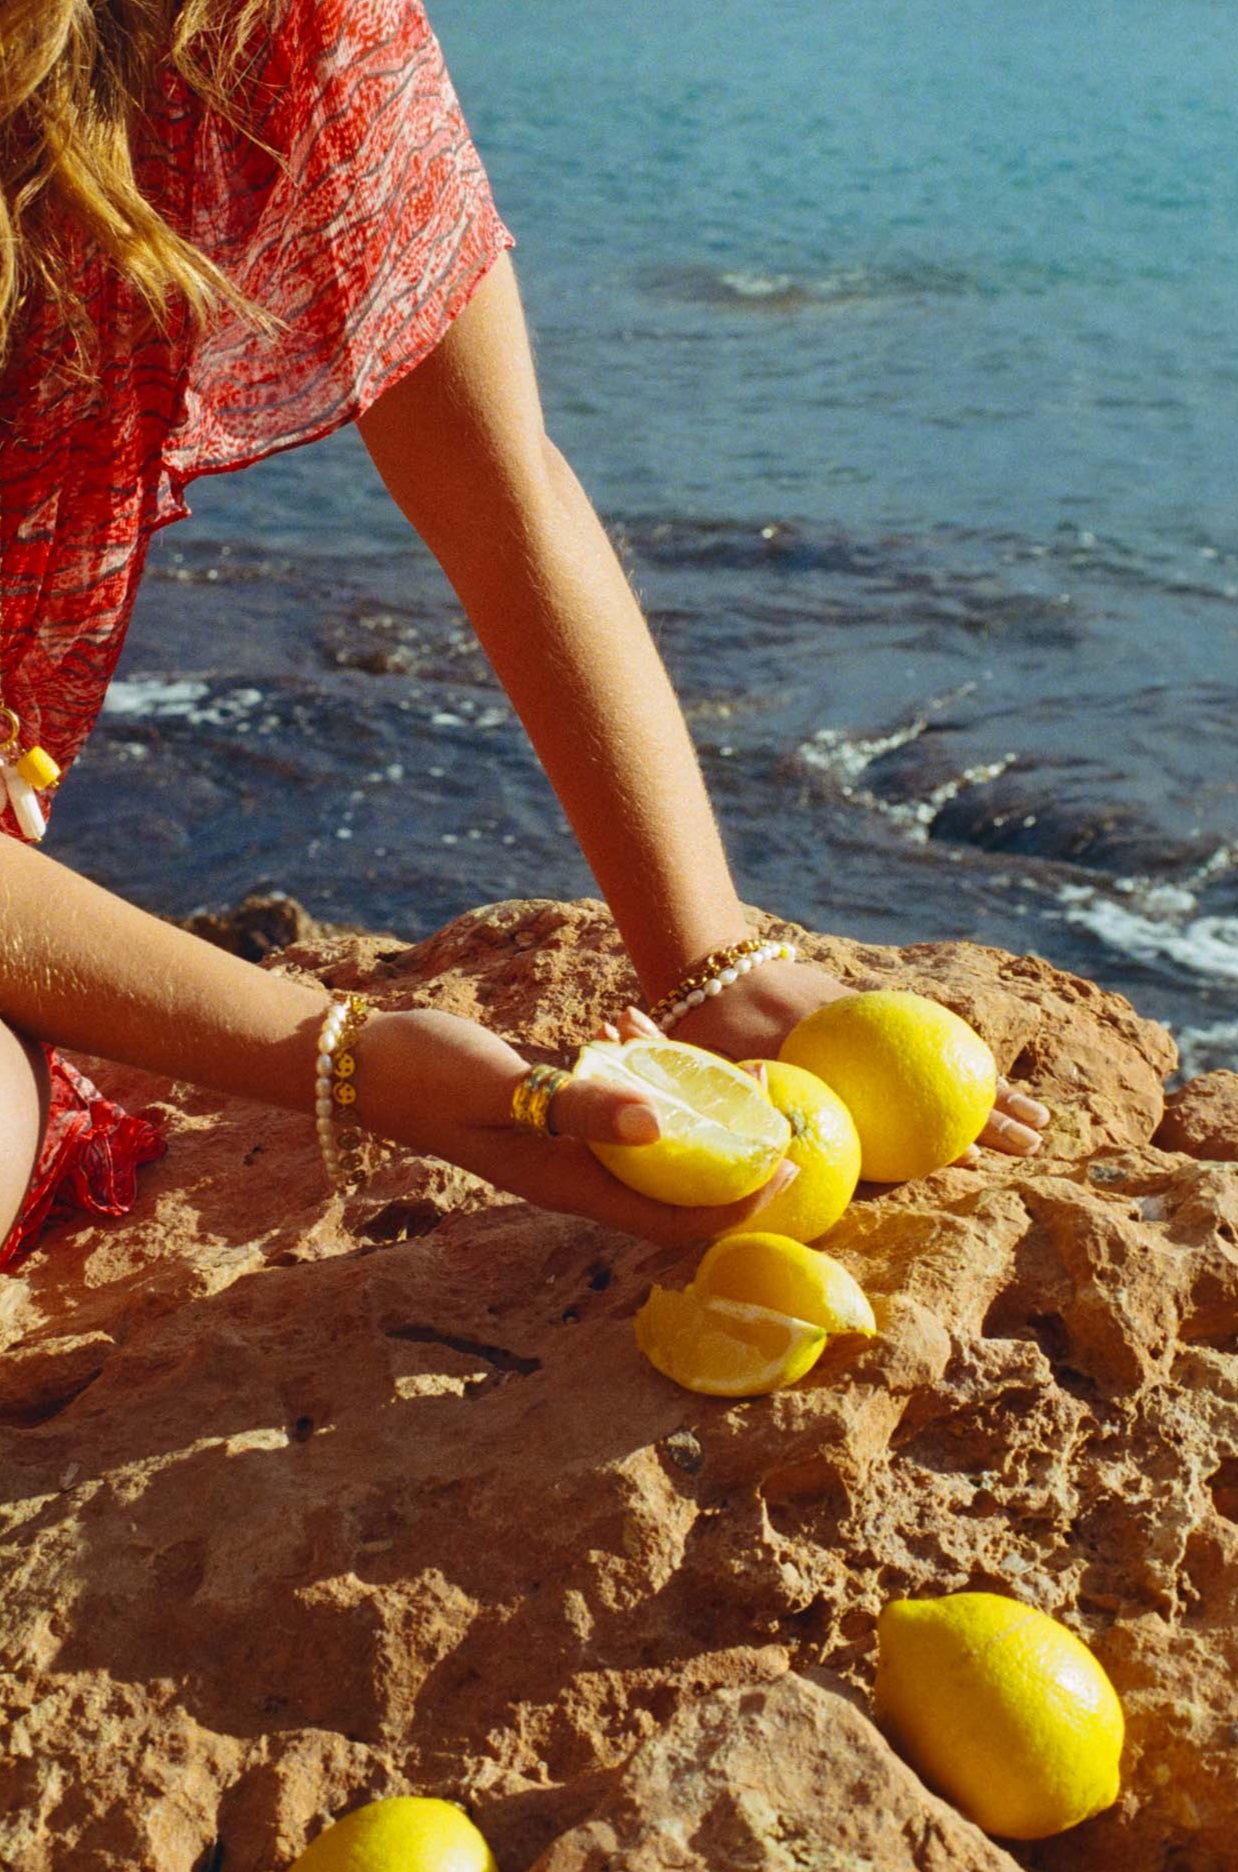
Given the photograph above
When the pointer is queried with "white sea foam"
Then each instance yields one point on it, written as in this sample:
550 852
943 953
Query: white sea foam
155 697
845 758
1206 946
1207 1049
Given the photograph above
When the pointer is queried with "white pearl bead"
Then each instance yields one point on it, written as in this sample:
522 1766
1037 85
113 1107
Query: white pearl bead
744 964
323 1063
679 1010
323 1105
728 976
713 986
323 1082
695 998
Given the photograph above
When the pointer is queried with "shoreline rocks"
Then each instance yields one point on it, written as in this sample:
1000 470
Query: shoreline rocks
310 1501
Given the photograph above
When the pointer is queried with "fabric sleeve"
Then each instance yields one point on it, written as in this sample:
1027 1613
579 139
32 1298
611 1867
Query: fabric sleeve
364 226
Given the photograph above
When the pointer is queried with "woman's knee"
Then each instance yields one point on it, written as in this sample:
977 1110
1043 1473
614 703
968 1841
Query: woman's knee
23 1120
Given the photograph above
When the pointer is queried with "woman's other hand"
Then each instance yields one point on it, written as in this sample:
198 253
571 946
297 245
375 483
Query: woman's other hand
751 1019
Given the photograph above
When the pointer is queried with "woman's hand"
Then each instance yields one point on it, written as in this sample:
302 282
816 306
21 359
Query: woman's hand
443 1085
751 1019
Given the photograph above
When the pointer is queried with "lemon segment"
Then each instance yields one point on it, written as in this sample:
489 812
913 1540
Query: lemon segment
1001 1708
405 1834
762 1268
722 1348
721 1137
918 1081
825 1146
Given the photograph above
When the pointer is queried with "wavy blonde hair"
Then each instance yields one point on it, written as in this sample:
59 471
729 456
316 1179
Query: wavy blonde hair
75 76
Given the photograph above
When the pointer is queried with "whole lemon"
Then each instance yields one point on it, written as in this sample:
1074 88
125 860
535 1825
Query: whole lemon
408 1833
918 1081
824 1143
1002 1709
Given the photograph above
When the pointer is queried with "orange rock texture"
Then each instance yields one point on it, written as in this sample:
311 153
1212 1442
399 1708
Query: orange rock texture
307 1502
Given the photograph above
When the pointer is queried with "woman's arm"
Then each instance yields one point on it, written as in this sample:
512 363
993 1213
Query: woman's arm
81 968
461 445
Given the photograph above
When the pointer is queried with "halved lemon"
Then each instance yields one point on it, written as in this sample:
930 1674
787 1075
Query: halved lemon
722 1347
763 1269
721 1136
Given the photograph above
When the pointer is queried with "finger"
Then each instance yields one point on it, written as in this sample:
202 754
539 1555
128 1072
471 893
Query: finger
606 1030
1004 1133
588 1108
1018 1105
969 1159
635 1024
748 1210
758 1070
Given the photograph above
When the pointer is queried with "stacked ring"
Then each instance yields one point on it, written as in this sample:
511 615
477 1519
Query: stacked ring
534 1095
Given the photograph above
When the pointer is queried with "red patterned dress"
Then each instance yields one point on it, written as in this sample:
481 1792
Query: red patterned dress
365 226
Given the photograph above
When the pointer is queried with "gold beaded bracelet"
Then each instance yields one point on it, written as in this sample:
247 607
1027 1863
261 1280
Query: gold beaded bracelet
719 970
335 1091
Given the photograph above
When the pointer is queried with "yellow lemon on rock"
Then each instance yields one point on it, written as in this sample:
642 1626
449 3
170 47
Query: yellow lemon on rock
769 1270
918 1081
1002 1709
723 1348
405 1834
824 1144
721 1137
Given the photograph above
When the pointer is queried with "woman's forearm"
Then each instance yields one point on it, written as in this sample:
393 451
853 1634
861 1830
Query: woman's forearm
82 968
568 641
461 446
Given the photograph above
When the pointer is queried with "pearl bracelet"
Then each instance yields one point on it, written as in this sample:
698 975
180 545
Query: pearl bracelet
334 1090
718 971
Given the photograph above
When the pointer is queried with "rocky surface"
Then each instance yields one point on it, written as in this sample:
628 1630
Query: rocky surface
308 1502
1201 1117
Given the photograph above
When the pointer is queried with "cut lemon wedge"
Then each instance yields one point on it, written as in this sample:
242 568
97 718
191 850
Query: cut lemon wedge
768 1270
722 1347
721 1138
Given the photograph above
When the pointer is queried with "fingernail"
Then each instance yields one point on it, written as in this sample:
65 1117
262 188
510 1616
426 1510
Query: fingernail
637 1124
782 1179
639 1018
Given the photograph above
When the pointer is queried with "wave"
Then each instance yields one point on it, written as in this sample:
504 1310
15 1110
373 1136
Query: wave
757 289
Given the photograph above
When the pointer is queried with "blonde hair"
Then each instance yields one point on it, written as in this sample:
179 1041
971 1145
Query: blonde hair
75 78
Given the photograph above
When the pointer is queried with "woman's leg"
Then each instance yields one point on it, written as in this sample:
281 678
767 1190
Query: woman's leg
23 1118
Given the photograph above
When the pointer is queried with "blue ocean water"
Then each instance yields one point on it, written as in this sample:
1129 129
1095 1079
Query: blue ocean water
899 348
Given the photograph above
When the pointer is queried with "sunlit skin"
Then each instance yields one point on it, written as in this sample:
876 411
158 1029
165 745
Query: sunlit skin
461 445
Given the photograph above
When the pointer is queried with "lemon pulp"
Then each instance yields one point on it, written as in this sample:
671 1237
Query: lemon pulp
721 1137
723 1348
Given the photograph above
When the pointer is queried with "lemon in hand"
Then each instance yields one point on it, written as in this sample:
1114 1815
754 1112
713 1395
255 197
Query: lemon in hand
825 1146
761 1268
721 1138
405 1834
1002 1709
918 1081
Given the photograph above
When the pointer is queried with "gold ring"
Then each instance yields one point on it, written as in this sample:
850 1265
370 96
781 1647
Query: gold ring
534 1095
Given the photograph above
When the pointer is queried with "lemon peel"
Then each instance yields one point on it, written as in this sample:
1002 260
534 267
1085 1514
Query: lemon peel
825 1147
721 1138
918 1081
1002 1708
411 1832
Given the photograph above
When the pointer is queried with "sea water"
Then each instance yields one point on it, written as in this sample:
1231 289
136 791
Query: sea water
898 346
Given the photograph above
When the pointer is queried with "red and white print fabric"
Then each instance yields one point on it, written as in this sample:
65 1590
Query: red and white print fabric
357 213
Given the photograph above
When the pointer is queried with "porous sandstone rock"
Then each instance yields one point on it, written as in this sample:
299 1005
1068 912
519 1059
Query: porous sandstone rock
308 1501
1201 1118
